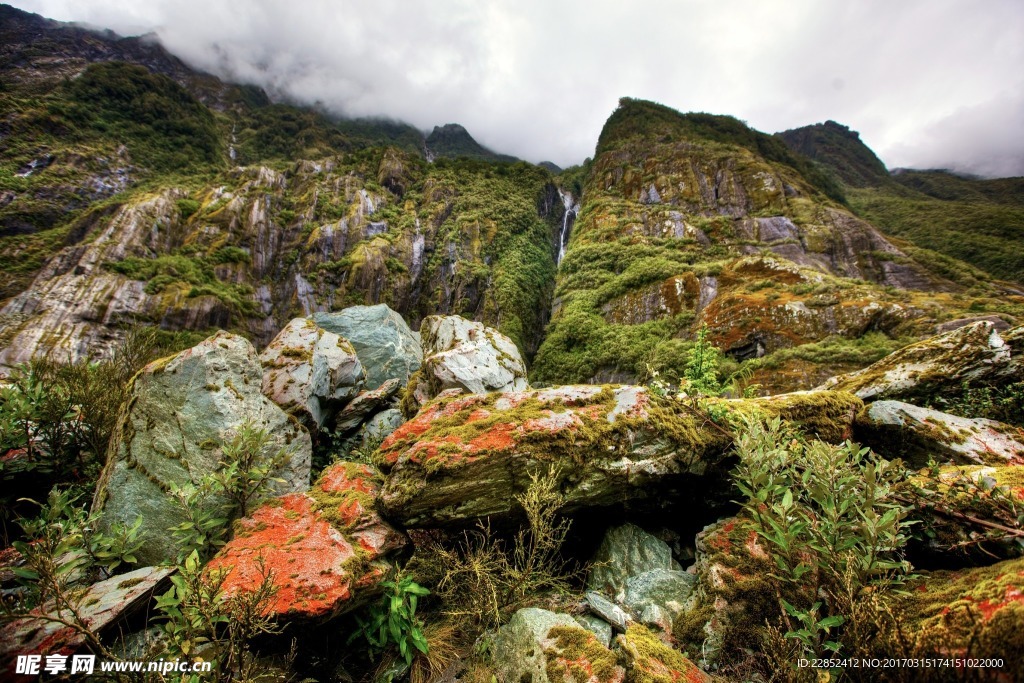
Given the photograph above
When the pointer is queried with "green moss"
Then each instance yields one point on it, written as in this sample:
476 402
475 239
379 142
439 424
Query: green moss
577 655
651 661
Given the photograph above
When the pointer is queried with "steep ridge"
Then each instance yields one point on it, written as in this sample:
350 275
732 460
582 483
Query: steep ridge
977 221
691 219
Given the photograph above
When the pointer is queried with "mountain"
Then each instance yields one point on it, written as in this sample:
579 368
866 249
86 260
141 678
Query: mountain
689 220
452 141
974 220
327 374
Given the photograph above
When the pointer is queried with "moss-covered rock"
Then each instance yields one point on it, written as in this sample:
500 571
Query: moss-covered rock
324 550
917 435
649 660
463 458
180 413
973 355
977 613
547 647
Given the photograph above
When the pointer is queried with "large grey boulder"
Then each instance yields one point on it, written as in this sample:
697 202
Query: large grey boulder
627 551
181 412
541 647
917 435
659 596
976 354
464 354
386 346
310 372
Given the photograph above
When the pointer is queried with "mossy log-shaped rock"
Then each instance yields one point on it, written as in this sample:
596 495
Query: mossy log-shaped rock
180 413
975 354
324 550
956 511
917 435
649 660
310 372
976 613
465 457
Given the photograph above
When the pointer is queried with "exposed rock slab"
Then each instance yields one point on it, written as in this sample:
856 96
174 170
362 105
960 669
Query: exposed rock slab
463 354
309 371
386 346
181 412
462 457
973 354
626 551
365 405
324 550
547 647
917 435
100 606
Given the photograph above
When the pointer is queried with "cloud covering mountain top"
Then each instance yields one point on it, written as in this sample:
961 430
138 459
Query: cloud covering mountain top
928 83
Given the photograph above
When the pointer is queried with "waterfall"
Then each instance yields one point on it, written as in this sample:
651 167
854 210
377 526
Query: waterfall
572 209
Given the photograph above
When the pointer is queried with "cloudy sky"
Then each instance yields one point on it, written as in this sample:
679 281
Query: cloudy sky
928 83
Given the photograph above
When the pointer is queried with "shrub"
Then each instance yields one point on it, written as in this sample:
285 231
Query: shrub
392 621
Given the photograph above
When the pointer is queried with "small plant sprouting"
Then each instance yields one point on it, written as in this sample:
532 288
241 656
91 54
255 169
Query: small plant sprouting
392 621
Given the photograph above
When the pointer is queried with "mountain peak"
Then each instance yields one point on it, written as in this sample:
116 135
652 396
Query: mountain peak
452 140
840 149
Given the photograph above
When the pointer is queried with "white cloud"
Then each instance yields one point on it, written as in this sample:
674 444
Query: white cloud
927 82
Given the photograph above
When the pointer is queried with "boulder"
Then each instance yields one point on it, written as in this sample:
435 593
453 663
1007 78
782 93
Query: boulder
959 511
180 413
382 425
976 354
626 551
732 596
917 435
365 405
324 550
598 626
463 457
608 611
386 346
460 353
310 372
647 659
659 596
541 647
100 606
970 613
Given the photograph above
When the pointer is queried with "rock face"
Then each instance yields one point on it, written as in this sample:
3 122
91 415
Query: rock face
973 354
386 346
308 371
181 412
627 551
547 647
917 435
324 550
460 353
461 457
102 605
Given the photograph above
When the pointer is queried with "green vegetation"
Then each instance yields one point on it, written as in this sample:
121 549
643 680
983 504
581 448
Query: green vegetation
392 621
838 149
193 272
832 522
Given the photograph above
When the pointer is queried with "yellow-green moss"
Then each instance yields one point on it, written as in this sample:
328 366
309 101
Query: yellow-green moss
576 655
651 661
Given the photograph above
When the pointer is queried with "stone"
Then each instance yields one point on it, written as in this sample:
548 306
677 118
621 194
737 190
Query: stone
324 550
598 626
608 611
918 435
649 659
180 413
659 596
310 372
462 457
547 647
364 405
976 354
998 324
386 346
625 552
460 353
100 606
382 425
976 612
